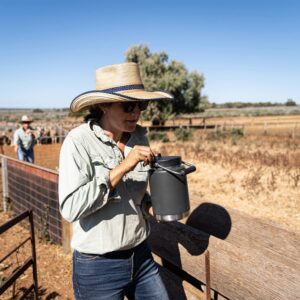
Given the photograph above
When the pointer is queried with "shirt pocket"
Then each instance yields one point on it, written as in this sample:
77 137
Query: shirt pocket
108 163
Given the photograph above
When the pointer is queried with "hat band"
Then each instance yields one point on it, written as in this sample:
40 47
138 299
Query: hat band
123 88
113 91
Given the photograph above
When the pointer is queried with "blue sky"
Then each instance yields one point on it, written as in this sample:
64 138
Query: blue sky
247 50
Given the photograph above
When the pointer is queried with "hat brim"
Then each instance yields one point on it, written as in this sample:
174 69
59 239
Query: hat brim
85 100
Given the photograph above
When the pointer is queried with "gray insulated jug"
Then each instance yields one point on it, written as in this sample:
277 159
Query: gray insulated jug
169 189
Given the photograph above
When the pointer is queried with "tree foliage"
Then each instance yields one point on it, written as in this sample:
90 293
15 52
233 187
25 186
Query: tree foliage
158 73
290 102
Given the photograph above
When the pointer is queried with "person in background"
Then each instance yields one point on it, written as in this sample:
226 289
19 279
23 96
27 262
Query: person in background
103 176
24 140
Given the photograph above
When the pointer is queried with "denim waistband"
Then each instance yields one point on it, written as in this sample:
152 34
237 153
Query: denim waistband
119 254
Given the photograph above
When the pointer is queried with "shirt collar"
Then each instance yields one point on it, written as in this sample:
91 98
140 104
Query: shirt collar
99 132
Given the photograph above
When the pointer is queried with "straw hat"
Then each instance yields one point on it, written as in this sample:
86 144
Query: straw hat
26 119
116 83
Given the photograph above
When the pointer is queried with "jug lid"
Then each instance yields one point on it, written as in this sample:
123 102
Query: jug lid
168 161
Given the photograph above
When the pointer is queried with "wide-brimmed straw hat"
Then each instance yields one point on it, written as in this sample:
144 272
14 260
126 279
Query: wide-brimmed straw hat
117 83
26 119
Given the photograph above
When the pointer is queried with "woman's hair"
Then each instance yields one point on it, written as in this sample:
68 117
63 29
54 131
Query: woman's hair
94 115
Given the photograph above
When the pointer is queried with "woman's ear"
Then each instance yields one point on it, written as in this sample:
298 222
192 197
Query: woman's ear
104 106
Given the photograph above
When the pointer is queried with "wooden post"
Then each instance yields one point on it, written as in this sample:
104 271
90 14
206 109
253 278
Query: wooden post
294 131
4 183
207 275
265 128
60 132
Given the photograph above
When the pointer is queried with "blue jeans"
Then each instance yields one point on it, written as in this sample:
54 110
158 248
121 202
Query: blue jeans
131 273
26 155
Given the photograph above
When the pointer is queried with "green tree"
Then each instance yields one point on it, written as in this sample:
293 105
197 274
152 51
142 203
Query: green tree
290 102
158 73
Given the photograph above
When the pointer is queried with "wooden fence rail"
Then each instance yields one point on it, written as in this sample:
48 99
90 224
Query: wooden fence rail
249 258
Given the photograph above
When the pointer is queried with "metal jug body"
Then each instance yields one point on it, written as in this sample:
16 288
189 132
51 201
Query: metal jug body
169 189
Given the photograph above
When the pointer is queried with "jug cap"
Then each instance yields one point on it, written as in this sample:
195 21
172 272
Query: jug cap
168 161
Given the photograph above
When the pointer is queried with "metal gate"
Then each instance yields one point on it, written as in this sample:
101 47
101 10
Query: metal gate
29 262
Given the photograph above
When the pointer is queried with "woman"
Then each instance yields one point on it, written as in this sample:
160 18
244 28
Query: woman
102 182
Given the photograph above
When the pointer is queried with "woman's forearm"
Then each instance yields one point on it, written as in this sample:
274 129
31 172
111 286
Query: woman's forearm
116 174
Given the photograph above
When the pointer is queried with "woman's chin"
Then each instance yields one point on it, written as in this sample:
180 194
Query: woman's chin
130 126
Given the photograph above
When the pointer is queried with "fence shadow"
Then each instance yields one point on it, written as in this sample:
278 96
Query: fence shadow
167 238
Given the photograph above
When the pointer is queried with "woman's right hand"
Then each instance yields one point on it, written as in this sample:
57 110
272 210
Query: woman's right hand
137 154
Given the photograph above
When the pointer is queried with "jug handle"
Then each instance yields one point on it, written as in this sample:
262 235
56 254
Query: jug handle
186 171
191 168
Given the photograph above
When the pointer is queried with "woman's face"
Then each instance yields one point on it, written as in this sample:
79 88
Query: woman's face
116 119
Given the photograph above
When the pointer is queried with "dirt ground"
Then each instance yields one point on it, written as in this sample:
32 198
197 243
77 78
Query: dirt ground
54 266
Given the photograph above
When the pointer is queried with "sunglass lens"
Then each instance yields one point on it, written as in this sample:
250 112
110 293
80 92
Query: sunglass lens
129 107
143 105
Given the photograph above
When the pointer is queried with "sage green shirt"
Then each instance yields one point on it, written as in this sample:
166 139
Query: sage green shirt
103 220
24 140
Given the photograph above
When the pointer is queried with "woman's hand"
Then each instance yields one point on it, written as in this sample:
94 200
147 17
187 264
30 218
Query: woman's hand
137 154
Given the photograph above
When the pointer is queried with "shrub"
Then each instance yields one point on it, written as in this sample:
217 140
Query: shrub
183 134
216 135
158 136
237 132
37 110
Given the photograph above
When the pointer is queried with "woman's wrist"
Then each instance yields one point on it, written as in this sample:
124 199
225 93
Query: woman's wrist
125 167
117 173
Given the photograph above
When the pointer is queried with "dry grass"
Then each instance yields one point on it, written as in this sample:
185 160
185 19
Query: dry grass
259 177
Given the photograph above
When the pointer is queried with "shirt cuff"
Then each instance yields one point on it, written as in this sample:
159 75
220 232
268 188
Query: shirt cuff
103 182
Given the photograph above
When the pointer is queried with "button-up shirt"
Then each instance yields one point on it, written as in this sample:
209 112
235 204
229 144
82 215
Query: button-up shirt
23 139
104 220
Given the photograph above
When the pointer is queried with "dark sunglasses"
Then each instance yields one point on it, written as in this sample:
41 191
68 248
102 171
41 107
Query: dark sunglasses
129 107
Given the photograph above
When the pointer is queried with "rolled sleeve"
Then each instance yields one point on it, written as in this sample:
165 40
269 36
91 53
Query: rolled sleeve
103 181
83 186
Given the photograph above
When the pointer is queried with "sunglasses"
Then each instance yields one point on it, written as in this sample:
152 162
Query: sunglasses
129 107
